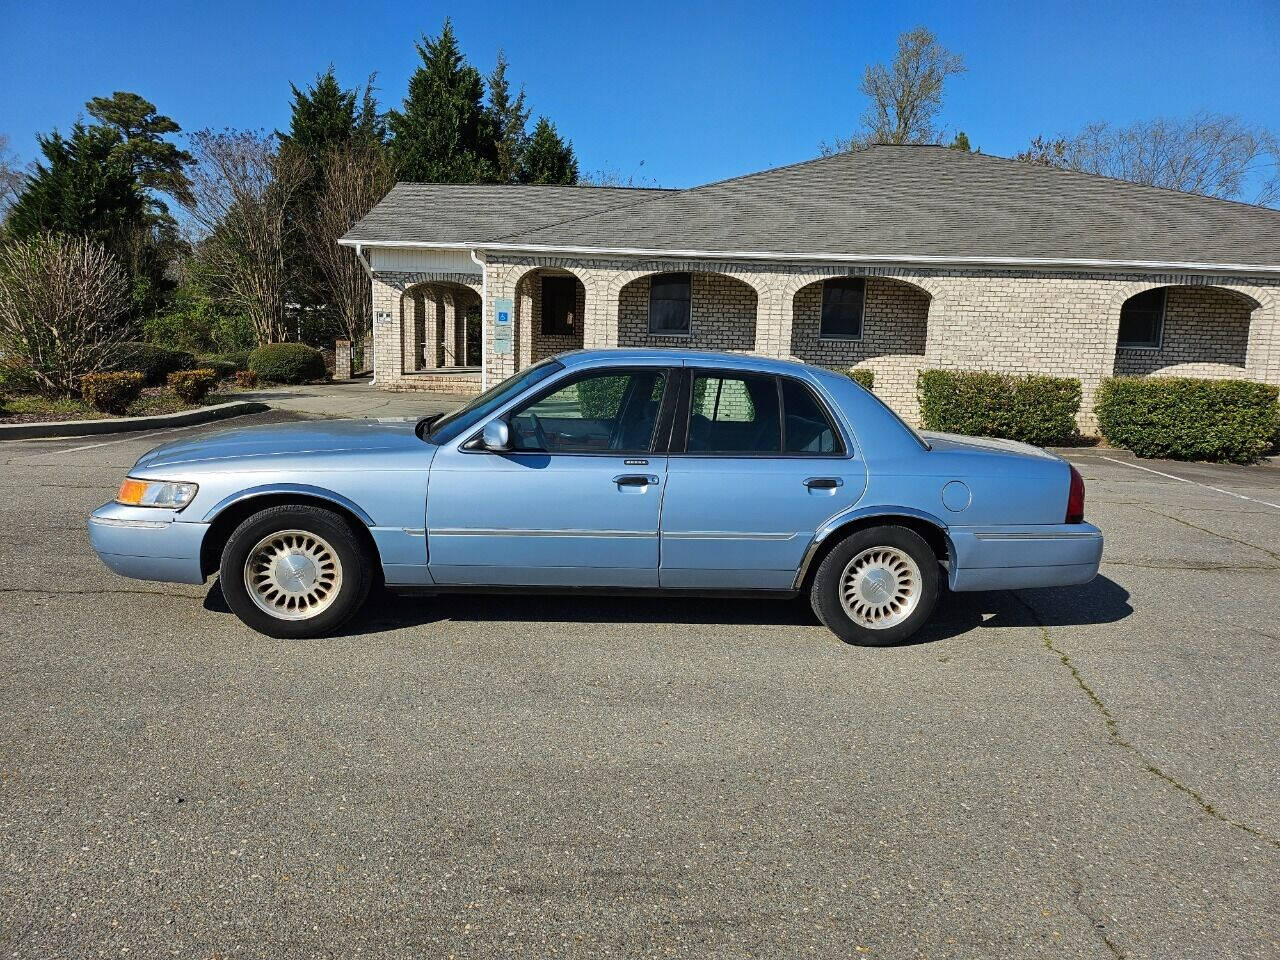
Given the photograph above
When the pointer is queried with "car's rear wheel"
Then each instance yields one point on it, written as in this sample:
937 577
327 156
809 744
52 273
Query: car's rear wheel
876 587
295 571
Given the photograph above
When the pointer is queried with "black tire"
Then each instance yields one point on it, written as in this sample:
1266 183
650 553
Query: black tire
355 566
828 604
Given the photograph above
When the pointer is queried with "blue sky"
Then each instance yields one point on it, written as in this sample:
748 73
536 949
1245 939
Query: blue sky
682 93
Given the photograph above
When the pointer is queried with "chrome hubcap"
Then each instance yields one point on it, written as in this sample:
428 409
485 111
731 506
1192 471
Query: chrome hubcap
880 587
293 574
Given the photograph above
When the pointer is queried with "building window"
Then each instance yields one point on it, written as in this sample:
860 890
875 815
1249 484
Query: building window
669 312
559 305
842 300
1142 320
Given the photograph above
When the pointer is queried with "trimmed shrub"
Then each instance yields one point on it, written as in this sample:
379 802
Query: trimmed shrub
1033 409
153 362
1182 418
287 363
863 377
111 392
224 365
192 386
246 378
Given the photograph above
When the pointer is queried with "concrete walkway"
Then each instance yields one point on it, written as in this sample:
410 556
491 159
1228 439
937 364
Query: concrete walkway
354 398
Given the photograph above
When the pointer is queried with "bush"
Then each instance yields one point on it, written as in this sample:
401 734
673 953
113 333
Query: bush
1181 418
153 362
287 363
192 386
225 365
863 377
111 392
1033 409
246 378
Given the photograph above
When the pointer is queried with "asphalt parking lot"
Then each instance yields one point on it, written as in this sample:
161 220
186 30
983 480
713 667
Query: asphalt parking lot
1086 772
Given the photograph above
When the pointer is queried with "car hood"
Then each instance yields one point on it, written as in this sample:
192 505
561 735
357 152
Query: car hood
288 439
963 444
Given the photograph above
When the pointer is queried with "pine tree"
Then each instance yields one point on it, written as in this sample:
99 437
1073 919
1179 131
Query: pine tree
443 134
510 117
157 164
548 159
84 186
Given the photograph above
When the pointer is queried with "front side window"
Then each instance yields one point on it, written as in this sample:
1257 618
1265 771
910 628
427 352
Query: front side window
669 305
452 425
1142 319
842 300
559 305
608 412
734 414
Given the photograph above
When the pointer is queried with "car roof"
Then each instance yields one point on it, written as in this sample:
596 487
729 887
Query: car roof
740 361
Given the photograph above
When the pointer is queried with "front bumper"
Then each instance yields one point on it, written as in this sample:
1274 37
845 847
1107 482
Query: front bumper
147 544
1019 557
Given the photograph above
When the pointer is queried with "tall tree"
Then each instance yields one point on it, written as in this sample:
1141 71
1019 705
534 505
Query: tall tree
1209 154
157 164
84 186
906 95
547 158
510 119
241 188
325 115
443 133
356 175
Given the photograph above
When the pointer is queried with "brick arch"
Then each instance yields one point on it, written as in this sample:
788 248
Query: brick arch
436 325
619 279
531 344
725 308
1262 351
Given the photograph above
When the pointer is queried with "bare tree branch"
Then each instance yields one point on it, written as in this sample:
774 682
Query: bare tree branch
240 188
906 96
1209 154
354 176
61 302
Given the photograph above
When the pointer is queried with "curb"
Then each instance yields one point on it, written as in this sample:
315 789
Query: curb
89 428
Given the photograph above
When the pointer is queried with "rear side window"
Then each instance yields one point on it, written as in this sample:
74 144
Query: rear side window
807 426
734 414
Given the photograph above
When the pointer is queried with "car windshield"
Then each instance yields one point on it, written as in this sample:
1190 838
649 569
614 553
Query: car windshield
459 421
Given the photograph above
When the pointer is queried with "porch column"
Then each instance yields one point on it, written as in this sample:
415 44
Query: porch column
413 308
773 319
600 319
384 353
500 286
528 295
448 330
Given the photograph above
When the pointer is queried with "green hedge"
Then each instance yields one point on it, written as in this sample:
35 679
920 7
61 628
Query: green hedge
153 362
1181 418
863 377
111 392
1033 409
224 365
287 363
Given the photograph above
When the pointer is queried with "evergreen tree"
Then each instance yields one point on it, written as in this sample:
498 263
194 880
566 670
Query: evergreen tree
84 186
443 133
157 164
548 159
510 117
961 142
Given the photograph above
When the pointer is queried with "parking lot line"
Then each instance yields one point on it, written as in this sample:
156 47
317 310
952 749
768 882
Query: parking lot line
1196 483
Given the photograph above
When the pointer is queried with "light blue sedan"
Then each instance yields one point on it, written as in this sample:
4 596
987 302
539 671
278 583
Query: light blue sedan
615 471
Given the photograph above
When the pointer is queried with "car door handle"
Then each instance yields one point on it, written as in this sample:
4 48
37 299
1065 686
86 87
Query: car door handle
823 483
634 480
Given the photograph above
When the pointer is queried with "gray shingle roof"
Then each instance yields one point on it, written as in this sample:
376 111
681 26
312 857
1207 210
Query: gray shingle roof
467 213
884 202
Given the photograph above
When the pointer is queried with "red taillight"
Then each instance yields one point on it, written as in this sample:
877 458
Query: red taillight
1075 498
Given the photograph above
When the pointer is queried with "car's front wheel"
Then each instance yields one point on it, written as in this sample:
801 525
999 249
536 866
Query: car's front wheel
877 586
295 571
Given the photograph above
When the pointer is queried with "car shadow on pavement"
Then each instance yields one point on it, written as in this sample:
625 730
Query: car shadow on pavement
1100 601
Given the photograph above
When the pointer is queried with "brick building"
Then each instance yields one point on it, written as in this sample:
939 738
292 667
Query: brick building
891 258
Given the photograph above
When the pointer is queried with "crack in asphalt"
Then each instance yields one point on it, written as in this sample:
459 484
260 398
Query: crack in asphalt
1155 565
1214 533
1097 926
1113 731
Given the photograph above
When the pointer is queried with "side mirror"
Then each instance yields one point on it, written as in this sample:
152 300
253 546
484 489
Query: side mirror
497 435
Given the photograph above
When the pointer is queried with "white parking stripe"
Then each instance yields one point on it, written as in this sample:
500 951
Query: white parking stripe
138 435
1197 483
